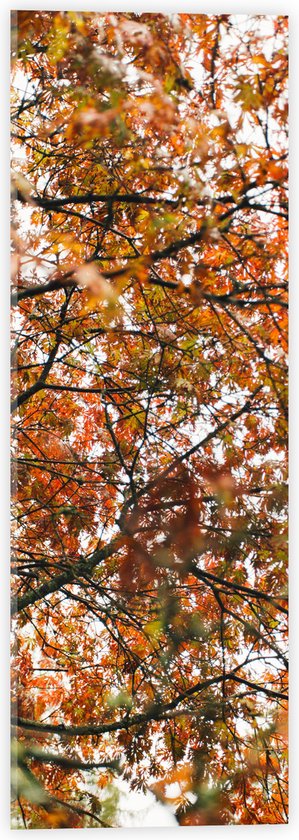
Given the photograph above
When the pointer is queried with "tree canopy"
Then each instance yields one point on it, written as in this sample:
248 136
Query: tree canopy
149 432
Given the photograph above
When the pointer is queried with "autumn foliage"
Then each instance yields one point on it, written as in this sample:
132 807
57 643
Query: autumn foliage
149 338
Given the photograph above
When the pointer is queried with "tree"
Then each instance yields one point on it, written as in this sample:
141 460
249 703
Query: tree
149 414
